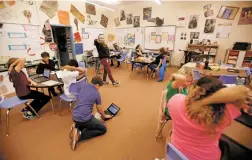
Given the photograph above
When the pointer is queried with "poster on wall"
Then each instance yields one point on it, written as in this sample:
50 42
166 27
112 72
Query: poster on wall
246 16
183 35
129 39
153 36
223 30
2 5
11 3
181 21
77 14
49 8
147 13
228 12
117 22
158 39
90 9
64 17
104 21
209 26
193 21
122 15
136 21
208 10
129 18
164 36
27 14
194 35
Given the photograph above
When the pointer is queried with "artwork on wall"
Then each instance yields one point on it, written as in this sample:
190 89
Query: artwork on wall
2 5
77 37
129 39
208 10
209 25
147 13
122 15
164 36
223 30
47 31
129 18
111 37
193 22
53 46
49 8
153 36
63 17
90 9
117 22
28 15
17 47
136 21
194 35
246 16
77 14
183 36
11 3
104 21
158 39
181 21
228 12
76 23
17 35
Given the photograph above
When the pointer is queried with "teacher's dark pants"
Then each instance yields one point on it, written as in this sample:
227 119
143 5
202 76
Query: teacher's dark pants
107 70
39 100
91 128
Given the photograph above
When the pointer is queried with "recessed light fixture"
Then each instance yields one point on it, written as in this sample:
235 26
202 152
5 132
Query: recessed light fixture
100 5
158 2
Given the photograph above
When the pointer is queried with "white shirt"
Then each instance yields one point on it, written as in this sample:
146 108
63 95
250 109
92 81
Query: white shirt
95 53
69 77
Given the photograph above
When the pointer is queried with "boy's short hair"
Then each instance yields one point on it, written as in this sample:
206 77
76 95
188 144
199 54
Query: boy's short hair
97 80
45 54
73 62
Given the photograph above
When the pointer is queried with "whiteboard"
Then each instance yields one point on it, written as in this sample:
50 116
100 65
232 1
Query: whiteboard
92 34
157 37
130 37
17 40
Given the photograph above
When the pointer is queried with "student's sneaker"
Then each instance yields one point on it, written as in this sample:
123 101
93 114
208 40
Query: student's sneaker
104 82
75 138
28 115
23 110
71 131
153 75
116 83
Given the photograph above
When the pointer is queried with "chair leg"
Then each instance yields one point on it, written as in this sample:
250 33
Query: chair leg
60 107
52 105
27 104
70 106
7 122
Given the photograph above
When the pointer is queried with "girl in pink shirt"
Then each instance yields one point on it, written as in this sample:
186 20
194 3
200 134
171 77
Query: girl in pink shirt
200 118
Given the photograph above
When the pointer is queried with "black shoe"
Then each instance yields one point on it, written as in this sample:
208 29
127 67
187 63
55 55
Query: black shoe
111 64
54 93
160 81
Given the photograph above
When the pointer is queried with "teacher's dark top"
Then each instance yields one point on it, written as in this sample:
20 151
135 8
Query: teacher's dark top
102 50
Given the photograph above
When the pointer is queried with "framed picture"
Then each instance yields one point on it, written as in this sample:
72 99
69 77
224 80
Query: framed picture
228 12
158 39
246 16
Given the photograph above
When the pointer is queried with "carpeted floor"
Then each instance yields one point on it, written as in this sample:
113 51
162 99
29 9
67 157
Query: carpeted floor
130 134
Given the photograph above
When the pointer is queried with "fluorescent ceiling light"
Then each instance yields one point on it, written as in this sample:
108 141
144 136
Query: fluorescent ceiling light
158 2
100 5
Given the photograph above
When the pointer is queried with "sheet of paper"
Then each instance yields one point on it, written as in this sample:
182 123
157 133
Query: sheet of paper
64 17
49 8
77 14
50 83
223 30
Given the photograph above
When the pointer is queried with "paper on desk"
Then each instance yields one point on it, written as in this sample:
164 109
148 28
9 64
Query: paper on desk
230 85
59 74
50 83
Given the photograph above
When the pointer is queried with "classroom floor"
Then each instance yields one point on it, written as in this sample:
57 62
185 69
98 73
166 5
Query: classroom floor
130 134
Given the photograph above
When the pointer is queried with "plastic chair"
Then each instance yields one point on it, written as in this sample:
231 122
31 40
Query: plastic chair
73 89
228 79
136 65
11 103
248 72
172 153
81 64
123 57
196 75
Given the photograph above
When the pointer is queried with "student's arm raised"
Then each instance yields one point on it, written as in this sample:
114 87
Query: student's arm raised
19 65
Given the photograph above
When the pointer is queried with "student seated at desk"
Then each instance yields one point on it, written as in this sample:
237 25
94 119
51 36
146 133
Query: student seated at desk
139 52
86 125
20 83
70 74
199 119
46 63
117 49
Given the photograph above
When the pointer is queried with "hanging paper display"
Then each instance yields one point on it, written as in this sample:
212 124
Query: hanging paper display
122 15
76 23
64 17
90 9
11 3
129 18
164 36
209 25
77 37
117 22
104 21
49 8
2 5
208 10
111 37
194 35
223 30
77 14
129 39
85 35
181 21
158 39
78 48
153 36
136 21
193 22
246 16
53 46
183 35
228 12
28 15
47 31
147 13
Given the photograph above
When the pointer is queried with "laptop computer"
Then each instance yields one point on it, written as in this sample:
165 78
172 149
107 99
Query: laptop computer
45 77
112 110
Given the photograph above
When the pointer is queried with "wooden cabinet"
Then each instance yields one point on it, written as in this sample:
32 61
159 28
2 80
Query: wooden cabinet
239 58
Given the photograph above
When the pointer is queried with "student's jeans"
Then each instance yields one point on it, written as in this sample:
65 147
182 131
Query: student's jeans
162 72
39 100
97 64
107 71
91 128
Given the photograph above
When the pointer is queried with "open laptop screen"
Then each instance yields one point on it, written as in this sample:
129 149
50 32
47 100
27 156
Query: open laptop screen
113 109
46 73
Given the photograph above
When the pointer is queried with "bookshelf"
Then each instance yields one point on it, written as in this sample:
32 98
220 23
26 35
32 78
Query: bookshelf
239 58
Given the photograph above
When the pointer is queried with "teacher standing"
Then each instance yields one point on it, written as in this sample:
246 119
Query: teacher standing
103 51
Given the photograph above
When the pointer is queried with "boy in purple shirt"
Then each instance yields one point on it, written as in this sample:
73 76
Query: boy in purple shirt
86 125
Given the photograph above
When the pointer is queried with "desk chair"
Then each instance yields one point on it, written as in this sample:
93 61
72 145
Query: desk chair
228 79
11 103
73 89
135 65
123 57
172 153
82 65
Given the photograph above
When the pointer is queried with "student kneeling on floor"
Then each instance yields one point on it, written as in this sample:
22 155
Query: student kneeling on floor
86 125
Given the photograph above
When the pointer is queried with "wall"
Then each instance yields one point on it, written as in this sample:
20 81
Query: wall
170 10
38 17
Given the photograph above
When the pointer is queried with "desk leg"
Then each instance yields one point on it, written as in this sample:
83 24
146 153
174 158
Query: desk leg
132 66
51 100
7 122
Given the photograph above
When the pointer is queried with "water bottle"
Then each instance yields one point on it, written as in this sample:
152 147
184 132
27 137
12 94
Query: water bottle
219 62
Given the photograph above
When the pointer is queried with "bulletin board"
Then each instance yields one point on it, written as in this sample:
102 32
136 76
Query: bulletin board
18 40
130 37
157 37
89 35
